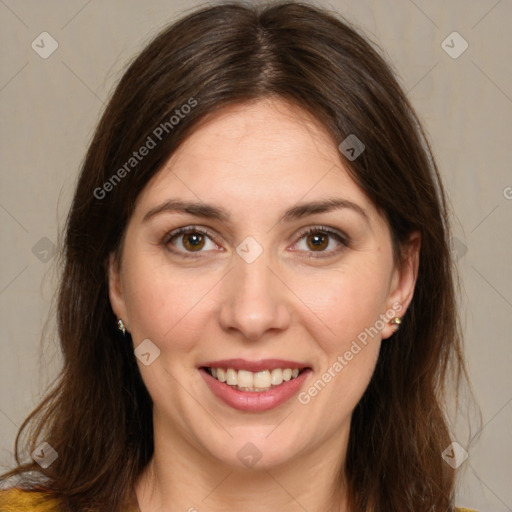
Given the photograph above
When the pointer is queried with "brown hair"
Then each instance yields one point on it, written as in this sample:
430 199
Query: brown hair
98 415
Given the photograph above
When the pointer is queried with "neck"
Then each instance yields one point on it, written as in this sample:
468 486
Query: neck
181 478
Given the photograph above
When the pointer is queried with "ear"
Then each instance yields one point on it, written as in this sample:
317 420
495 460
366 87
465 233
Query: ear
403 282
115 290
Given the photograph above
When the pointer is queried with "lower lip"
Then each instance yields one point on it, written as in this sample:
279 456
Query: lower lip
255 401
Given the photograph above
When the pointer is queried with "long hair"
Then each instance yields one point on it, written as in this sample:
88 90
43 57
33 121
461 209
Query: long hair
98 415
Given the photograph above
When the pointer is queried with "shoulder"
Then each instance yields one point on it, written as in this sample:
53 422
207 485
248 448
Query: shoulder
19 500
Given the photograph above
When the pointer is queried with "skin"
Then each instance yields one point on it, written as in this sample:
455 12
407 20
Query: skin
255 161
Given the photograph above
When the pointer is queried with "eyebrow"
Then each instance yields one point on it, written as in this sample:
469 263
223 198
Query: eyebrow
215 212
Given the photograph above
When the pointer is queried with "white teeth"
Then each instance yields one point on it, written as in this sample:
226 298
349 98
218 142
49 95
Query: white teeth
231 377
277 376
262 379
244 380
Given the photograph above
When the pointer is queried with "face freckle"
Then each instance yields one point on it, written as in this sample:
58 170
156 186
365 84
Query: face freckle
249 183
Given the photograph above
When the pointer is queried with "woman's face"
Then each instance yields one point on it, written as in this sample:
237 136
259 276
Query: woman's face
285 265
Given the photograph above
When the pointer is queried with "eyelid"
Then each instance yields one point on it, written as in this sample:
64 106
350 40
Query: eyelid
183 230
342 238
187 229
326 229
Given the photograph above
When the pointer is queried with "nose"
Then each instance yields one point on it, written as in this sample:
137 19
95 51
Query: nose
254 300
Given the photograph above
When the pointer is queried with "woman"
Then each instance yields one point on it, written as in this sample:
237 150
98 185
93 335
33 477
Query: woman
257 307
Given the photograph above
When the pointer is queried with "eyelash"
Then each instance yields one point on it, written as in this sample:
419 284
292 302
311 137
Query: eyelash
341 238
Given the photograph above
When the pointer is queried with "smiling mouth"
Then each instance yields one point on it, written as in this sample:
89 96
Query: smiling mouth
254 382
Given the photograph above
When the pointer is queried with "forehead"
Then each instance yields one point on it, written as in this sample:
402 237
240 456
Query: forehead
259 156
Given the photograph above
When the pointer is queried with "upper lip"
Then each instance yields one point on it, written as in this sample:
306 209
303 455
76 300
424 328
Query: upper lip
254 366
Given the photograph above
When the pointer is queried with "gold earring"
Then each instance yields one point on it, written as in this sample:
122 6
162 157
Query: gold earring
121 326
396 321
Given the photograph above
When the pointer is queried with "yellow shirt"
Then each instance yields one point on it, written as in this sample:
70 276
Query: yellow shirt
16 500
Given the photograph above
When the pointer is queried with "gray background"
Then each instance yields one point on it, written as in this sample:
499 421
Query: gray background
49 108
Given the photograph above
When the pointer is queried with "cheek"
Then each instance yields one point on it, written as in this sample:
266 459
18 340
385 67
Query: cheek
166 307
172 306
344 302
346 308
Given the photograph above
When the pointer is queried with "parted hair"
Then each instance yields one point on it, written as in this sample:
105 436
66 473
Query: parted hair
98 414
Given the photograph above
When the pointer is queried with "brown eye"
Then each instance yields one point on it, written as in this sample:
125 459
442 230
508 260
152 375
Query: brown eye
193 241
186 241
317 241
